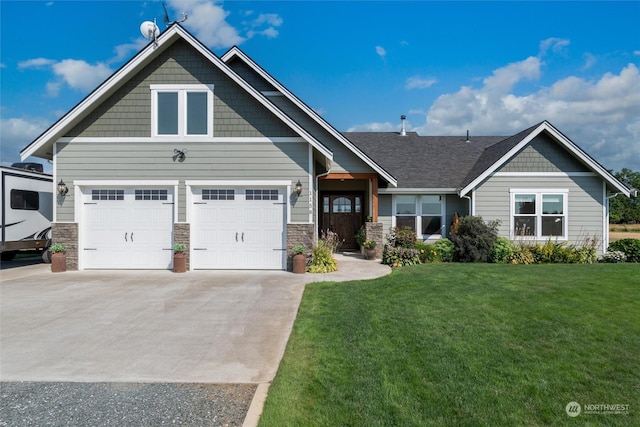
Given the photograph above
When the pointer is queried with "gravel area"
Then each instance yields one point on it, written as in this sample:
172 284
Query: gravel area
123 404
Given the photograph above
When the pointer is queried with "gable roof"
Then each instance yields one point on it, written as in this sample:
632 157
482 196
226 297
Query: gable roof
42 145
496 156
451 164
236 53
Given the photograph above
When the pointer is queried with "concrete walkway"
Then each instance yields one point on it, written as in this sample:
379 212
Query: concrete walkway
154 326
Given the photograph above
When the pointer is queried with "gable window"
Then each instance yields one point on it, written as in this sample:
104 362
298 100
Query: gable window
422 213
182 110
539 214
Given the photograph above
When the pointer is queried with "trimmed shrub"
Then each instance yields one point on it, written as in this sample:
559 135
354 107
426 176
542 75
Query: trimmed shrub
630 247
445 249
474 238
427 252
614 257
501 251
400 256
402 237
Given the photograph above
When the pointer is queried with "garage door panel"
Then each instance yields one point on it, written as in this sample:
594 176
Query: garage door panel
127 233
237 233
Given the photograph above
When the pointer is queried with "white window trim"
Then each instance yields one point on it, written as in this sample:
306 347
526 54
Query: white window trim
182 91
539 192
418 215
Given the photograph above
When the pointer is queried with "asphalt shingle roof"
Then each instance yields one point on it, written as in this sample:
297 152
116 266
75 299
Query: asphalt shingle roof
428 161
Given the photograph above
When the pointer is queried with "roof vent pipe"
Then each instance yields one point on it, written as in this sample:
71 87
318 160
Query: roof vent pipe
403 131
468 140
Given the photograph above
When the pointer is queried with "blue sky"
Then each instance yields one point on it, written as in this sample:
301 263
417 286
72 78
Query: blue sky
494 68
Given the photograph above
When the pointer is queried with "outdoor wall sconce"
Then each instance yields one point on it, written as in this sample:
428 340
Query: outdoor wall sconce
62 188
179 154
299 187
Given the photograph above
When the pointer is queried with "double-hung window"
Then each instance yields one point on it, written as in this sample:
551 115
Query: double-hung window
182 110
539 214
422 213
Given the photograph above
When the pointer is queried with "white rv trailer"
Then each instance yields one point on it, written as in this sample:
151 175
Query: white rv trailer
27 209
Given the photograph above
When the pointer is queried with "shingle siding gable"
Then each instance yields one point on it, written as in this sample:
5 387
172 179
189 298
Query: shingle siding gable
543 155
127 113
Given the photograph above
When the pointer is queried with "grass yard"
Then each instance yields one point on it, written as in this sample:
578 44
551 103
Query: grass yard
464 345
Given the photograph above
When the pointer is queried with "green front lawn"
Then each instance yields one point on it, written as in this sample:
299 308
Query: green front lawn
464 344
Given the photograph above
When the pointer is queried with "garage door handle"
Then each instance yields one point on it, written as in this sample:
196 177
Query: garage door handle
236 237
131 237
125 237
199 249
243 237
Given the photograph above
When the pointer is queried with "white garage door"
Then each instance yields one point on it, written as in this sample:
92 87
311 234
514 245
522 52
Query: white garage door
127 228
238 228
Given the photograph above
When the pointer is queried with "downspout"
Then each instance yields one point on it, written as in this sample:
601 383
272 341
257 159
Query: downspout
470 206
315 228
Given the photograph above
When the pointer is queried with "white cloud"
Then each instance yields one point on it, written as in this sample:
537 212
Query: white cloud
554 44
36 63
601 116
589 61
124 51
208 22
17 133
375 127
380 51
417 82
75 73
80 74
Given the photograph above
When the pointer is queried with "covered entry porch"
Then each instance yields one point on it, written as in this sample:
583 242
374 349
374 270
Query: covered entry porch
345 202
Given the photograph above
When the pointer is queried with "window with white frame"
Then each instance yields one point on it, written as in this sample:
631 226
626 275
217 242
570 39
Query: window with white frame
423 213
539 213
182 110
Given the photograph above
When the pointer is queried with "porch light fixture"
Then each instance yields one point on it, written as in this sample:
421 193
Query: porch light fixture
299 187
62 188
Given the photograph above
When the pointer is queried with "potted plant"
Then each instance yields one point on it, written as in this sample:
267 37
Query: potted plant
58 258
179 258
369 249
299 259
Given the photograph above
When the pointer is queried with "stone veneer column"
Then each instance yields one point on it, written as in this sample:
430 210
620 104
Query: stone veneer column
182 234
373 231
298 234
66 233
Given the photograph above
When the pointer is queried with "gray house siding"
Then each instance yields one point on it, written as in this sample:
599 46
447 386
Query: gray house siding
385 212
127 113
343 159
585 205
454 204
250 76
543 154
204 161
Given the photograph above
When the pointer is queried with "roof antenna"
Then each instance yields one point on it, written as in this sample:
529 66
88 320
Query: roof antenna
403 131
168 21
468 140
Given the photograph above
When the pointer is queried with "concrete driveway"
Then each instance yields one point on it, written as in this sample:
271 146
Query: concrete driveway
152 326
145 326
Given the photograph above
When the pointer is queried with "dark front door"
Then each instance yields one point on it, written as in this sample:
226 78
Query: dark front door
343 214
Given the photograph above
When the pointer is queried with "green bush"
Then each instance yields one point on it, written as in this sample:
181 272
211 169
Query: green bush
427 252
521 255
322 260
630 247
402 237
361 236
501 251
552 252
614 257
445 249
474 238
400 256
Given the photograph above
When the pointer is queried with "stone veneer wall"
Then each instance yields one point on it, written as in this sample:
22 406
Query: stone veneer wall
373 231
181 234
66 233
298 234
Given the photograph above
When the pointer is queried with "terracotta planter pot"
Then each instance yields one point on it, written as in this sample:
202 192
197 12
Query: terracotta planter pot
299 264
179 262
58 262
369 254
